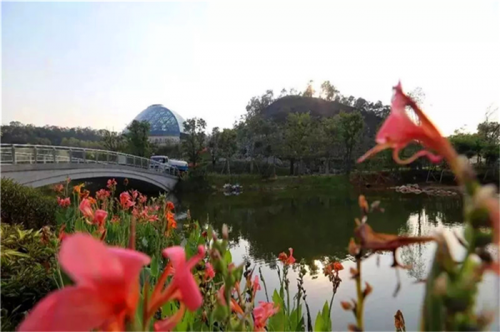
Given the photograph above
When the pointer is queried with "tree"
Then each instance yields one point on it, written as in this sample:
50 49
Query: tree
213 144
228 146
113 141
138 139
194 143
298 131
350 126
328 91
309 90
328 137
489 132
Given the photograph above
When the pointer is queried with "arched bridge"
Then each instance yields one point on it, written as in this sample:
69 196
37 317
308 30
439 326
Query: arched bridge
40 165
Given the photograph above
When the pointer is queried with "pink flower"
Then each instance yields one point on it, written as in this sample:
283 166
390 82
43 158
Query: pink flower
183 279
102 194
100 217
86 209
105 293
111 184
255 286
183 287
58 188
209 271
234 306
125 200
287 260
143 198
135 193
399 130
63 202
262 313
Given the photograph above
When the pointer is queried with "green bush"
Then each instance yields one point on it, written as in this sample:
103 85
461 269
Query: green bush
26 206
28 265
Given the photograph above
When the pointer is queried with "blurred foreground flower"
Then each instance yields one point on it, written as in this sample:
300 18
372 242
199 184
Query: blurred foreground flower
105 291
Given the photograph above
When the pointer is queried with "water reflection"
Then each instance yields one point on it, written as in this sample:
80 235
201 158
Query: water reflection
318 227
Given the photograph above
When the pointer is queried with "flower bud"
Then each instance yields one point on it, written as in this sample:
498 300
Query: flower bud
353 248
346 305
225 232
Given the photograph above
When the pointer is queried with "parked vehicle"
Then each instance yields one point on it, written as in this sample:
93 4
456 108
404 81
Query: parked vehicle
181 165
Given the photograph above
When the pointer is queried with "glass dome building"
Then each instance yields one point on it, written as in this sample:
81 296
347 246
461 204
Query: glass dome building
165 125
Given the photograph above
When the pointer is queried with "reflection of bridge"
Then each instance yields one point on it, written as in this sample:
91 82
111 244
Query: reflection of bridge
40 165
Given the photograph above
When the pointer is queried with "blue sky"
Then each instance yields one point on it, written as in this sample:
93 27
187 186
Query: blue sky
99 64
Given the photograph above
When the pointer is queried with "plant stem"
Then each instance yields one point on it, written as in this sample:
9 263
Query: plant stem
359 307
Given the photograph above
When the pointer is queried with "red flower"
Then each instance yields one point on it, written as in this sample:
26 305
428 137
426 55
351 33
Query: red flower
102 194
255 286
170 206
262 313
125 200
285 259
100 217
337 266
183 287
399 130
105 293
63 202
111 184
86 209
209 271
58 188
62 234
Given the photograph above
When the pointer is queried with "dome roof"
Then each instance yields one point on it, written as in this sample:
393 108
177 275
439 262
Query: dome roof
163 122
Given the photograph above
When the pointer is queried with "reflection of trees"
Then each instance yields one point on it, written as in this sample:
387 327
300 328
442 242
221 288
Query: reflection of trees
315 225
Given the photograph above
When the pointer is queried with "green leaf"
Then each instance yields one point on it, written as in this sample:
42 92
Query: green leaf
277 322
155 266
323 321
318 324
228 258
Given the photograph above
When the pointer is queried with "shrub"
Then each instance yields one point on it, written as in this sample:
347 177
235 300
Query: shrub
26 206
28 261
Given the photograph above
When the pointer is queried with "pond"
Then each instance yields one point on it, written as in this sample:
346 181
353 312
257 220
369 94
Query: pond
318 227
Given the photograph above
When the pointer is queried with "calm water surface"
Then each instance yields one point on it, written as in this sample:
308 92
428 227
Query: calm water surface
318 226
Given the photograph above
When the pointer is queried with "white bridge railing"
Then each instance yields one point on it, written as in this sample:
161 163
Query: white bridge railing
14 154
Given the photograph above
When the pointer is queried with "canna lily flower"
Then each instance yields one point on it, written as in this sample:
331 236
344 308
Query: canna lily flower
399 130
102 194
92 201
255 286
209 272
58 188
171 223
385 242
285 259
125 200
105 294
183 287
111 185
234 306
86 209
77 189
63 202
337 266
84 194
170 206
143 198
135 193
262 313
62 234
100 217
